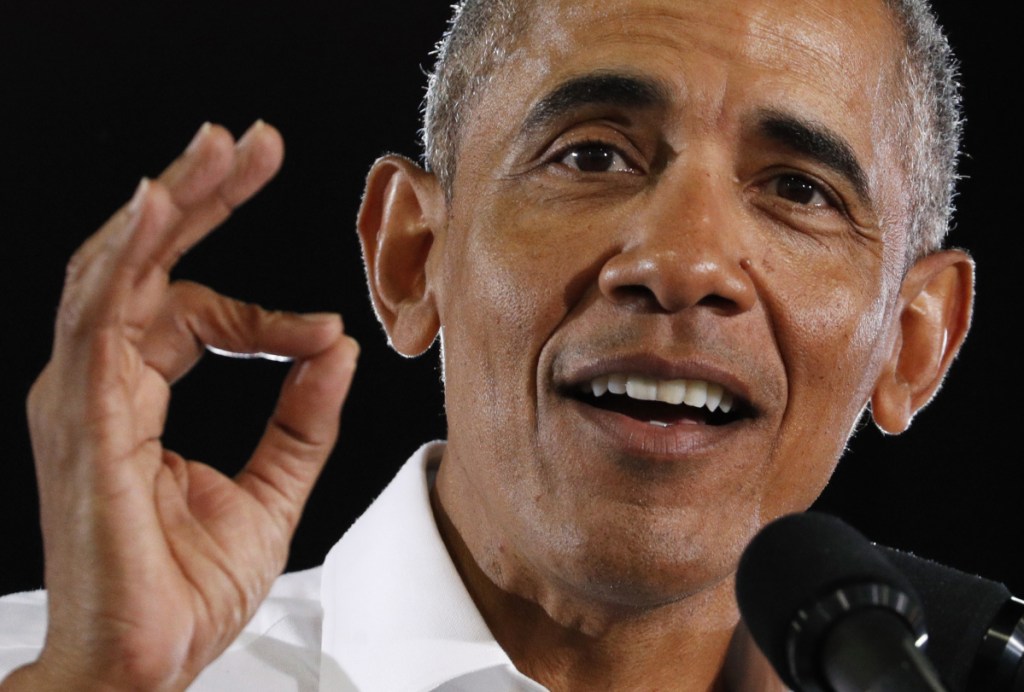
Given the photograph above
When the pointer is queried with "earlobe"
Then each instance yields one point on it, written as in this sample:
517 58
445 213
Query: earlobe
935 312
402 211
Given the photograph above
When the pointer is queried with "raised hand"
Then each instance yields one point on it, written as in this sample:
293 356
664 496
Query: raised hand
155 563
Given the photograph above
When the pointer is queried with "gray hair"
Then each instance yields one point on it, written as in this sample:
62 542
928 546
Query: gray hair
482 33
479 37
931 120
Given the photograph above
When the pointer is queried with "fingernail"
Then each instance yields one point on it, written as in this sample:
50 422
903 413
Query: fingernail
199 136
135 205
253 129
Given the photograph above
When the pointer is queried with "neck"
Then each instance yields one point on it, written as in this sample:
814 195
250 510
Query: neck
570 642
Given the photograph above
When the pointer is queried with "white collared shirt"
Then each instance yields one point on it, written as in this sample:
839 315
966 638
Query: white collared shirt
386 612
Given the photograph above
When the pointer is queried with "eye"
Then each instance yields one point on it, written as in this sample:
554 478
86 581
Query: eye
799 190
595 157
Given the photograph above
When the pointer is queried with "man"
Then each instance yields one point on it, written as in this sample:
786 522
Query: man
672 250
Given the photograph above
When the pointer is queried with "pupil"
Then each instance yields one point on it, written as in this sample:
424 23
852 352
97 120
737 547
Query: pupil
796 189
593 158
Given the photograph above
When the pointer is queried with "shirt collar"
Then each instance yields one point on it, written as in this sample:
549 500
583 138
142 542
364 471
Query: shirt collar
396 613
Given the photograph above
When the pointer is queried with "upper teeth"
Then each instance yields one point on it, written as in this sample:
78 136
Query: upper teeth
696 393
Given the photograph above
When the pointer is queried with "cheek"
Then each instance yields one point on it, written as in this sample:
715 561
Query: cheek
828 310
520 272
830 327
504 296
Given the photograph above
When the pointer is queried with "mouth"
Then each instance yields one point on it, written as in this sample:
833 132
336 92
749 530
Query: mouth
663 403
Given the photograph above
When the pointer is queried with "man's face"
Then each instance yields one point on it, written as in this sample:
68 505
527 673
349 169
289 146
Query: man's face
684 198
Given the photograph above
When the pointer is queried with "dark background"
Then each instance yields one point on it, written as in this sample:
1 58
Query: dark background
98 94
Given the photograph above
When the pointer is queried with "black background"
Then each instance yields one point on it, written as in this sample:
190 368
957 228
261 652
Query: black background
98 94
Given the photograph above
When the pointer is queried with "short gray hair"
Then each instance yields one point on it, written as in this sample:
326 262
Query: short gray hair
482 33
931 119
479 37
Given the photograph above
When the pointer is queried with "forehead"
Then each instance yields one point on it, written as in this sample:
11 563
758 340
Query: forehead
760 31
833 43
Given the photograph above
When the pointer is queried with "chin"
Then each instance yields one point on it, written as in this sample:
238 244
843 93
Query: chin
653 566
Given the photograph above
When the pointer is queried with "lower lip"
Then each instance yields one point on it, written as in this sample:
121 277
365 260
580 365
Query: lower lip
683 441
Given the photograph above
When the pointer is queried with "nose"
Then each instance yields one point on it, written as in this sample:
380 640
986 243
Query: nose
684 248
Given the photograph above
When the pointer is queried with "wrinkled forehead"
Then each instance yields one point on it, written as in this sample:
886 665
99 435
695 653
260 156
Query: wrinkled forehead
840 35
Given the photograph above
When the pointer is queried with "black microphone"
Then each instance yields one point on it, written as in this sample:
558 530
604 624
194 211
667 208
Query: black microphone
976 627
829 612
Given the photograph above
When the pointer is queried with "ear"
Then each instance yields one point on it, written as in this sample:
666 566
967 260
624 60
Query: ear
402 210
934 314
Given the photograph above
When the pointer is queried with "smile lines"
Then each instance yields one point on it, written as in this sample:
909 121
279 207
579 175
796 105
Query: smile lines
696 393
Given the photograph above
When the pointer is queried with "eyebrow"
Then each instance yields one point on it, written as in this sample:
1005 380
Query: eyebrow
603 88
801 135
817 142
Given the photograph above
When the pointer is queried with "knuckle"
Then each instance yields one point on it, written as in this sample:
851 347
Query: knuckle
75 266
250 324
71 314
34 402
296 442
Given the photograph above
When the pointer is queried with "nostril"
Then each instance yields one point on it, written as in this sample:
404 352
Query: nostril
640 297
717 303
635 295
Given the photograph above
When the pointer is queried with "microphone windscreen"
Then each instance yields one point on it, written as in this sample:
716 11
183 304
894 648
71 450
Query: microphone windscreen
795 561
960 608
